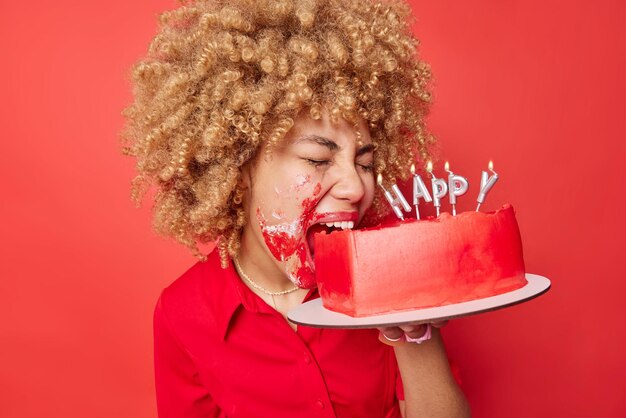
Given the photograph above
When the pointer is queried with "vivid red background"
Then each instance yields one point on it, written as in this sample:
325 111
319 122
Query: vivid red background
536 86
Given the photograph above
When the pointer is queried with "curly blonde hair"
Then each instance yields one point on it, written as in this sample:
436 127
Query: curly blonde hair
221 78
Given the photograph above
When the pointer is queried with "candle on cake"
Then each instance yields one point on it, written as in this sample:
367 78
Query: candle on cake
440 187
457 186
419 191
486 183
395 202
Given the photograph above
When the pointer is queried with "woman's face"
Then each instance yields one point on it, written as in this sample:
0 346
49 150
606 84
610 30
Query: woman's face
319 176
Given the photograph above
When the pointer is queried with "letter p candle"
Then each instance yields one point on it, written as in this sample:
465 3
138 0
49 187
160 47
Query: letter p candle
457 186
440 187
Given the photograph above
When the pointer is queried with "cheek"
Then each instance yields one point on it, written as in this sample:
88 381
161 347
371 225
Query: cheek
284 230
289 198
302 180
281 238
370 190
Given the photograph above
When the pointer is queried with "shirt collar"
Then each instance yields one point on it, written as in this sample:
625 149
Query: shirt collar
237 295
227 301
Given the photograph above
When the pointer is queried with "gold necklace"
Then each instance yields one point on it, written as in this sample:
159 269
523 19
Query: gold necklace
258 287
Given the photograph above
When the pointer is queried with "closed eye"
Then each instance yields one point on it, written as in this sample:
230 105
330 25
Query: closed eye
316 163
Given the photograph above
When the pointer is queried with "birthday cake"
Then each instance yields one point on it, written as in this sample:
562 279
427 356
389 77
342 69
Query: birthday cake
416 264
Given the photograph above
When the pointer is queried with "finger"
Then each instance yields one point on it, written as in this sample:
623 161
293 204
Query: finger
392 342
392 333
414 331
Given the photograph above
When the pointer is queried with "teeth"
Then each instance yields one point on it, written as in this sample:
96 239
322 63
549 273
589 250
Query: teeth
342 225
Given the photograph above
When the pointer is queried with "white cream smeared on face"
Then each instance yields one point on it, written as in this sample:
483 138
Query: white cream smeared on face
287 241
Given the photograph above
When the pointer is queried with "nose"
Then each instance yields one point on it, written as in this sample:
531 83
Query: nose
348 184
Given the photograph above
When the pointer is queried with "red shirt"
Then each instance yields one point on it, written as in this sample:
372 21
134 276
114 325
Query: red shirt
221 351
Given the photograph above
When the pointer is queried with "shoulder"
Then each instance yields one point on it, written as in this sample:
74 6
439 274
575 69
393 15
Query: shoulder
194 285
193 303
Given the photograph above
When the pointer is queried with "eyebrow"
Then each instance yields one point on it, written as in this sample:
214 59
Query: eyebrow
325 142
332 145
365 149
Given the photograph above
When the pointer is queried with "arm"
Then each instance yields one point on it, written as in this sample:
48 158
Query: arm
179 392
429 386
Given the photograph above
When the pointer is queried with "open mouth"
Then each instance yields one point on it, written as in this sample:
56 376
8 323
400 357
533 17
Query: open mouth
327 227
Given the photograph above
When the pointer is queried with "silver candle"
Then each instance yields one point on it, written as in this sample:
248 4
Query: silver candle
440 187
394 202
419 191
400 198
457 186
486 183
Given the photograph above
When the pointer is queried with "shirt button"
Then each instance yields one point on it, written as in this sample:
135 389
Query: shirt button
307 359
320 404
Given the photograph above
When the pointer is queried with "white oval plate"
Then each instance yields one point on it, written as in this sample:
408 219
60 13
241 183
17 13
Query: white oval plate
313 313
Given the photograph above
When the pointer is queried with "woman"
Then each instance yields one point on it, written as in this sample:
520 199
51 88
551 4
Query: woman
260 123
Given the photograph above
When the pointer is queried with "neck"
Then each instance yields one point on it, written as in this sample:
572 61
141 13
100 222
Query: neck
261 267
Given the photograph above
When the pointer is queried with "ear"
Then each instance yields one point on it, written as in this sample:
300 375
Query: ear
245 181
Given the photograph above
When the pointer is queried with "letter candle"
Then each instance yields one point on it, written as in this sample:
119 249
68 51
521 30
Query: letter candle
400 198
457 186
394 202
440 188
419 191
486 183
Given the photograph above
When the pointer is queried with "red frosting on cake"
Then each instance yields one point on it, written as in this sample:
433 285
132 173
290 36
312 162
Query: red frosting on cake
418 264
